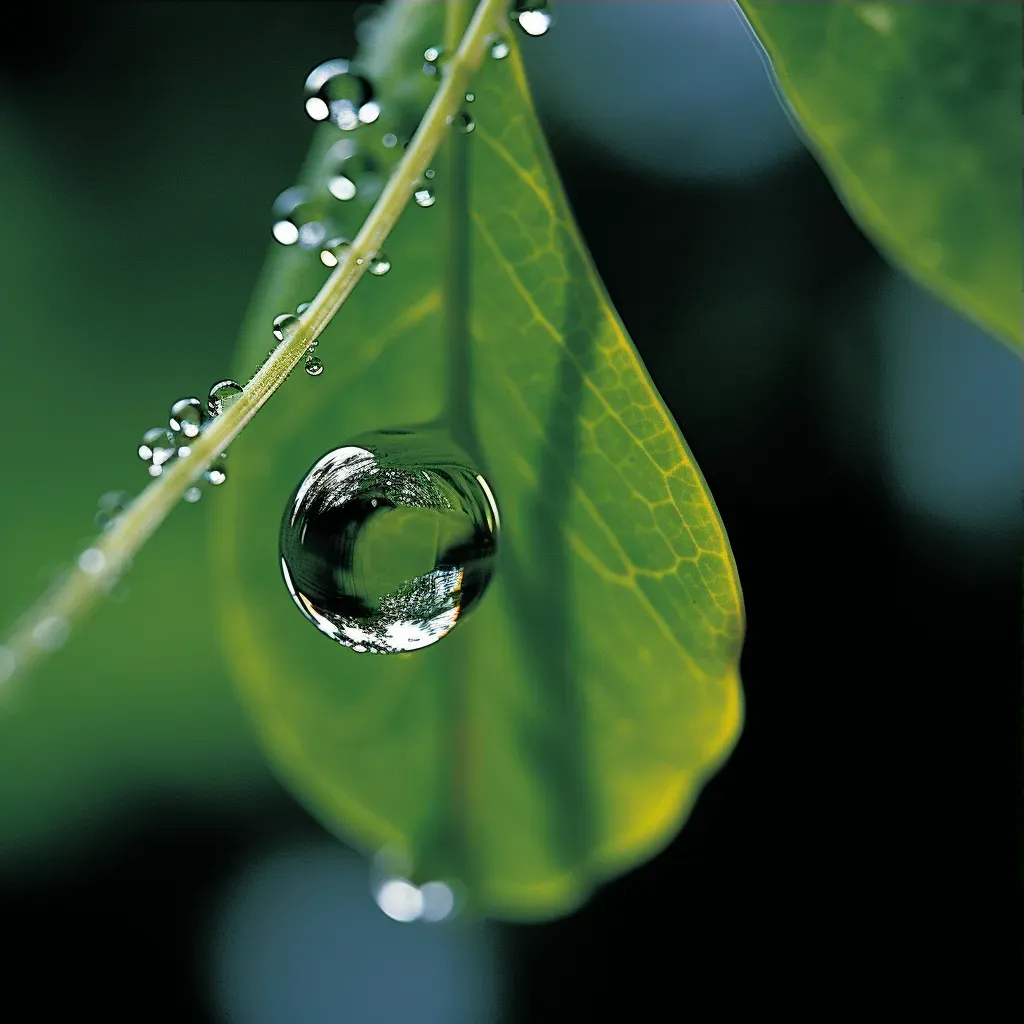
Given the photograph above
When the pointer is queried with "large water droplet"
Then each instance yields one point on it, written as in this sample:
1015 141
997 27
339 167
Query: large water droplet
284 324
187 417
379 265
386 543
334 91
532 16
341 187
223 396
158 446
314 366
424 197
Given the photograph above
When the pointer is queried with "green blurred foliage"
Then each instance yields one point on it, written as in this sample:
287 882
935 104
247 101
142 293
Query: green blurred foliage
562 733
133 236
914 109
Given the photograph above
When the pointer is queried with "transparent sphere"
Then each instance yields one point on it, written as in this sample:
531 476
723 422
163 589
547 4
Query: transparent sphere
387 542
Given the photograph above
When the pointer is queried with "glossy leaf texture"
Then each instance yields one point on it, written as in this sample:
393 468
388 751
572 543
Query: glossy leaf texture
560 734
914 110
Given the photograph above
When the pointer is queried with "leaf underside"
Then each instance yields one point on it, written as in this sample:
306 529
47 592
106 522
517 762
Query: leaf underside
914 110
559 735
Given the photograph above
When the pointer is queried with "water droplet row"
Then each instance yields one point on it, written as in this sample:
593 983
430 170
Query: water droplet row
160 446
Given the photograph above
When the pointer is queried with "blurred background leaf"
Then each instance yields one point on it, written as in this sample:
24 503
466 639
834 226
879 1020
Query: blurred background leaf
913 108
560 734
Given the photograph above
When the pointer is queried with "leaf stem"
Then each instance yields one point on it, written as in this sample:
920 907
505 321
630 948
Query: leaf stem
43 627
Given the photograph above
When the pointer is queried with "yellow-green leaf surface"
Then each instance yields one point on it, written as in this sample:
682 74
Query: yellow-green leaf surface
914 109
560 733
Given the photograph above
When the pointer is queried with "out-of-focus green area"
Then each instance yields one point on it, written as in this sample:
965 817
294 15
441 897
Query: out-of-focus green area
135 223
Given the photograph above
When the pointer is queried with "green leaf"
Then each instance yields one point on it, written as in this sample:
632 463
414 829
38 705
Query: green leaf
914 109
562 732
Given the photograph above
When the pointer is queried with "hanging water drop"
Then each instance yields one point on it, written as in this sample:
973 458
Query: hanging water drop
215 475
222 396
301 308
532 16
314 366
187 417
424 197
499 48
330 255
464 123
158 446
379 265
387 543
192 495
335 92
390 140
470 97
283 324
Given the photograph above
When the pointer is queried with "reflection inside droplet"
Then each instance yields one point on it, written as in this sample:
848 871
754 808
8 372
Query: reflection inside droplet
387 543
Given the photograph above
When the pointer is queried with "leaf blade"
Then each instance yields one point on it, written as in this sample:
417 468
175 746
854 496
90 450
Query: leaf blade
524 754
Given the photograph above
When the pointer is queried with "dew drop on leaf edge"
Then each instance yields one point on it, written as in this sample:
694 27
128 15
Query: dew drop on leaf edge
222 396
387 542
187 416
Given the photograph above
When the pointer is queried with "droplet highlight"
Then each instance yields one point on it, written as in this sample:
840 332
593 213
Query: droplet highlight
499 48
330 255
424 197
379 265
314 366
387 543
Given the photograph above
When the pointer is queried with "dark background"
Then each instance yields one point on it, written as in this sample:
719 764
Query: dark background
856 842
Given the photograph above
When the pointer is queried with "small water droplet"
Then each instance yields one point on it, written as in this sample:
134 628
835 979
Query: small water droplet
399 574
532 16
470 97
158 446
429 173
464 123
341 187
337 93
314 366
110 506
379 265
222 396
192 495
92 561
50 633
390 140
8 663
438 901
424 197
499 48
330 255
301 308
296 217
187 417
283 325
215 475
